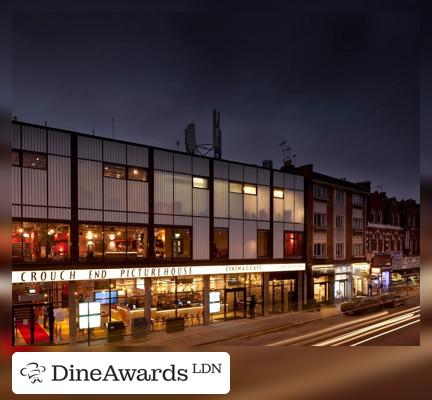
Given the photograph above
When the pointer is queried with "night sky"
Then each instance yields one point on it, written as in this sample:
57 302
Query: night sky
341 89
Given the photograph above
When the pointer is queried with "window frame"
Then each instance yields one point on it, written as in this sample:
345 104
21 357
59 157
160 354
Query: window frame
129 167
105 166
204 178
267 231
278 190
35 154
230 189
251 185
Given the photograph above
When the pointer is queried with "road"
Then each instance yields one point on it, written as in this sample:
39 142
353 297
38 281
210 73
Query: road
397 326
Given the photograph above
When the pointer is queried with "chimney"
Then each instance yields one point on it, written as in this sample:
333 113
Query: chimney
267 164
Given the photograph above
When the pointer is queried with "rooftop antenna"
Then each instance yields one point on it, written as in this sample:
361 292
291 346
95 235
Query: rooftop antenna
112 125
93 132
46 123
178 145
380 188
287 156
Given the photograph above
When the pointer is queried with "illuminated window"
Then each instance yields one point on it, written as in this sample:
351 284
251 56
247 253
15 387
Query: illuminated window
293 244
114 242
220 243
200 183
34 160
114 171
278 193
249 189
90 242
137 240
137 174
235 187
15 158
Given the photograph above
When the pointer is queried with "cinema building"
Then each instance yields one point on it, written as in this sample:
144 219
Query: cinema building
150 234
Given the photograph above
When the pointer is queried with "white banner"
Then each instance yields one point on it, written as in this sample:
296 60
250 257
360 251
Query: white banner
117 373
150 272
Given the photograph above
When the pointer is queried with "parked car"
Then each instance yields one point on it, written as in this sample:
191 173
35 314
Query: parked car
361 304
392 300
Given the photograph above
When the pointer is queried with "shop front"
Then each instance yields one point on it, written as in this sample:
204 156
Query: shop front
51 299
283 292
360 278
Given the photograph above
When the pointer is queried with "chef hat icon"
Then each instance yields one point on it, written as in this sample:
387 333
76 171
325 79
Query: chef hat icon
33 371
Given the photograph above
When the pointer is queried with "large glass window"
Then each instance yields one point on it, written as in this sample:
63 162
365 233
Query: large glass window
263 243
182 243
34 241
249 189
200 183
34 160
293 245
114 242
90 242
235 187
162 242
137 240
17 244
278 193
137 174
114 171
58 241
220 243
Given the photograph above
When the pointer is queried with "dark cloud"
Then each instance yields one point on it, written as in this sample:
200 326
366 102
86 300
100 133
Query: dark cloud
341 89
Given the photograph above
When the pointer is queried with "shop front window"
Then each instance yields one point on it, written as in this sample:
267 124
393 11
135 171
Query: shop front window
162 242
220 243
137 240
17 243
90 242
115 242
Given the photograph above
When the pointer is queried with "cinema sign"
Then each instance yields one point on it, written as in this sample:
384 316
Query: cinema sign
148 272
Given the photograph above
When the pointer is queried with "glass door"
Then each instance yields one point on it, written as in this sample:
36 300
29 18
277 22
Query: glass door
235 304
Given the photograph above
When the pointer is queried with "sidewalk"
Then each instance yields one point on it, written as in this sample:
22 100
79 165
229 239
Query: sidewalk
206 334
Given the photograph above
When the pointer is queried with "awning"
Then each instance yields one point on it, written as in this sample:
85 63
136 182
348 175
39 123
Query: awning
382 261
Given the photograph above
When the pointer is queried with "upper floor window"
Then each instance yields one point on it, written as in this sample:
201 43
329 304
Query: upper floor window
15 158
137 174
378 216
220 243
249 189
320 220
339 221
320 249
357 223
235 187
357 199
172 242
200 183
278 193
114 171
34 160
293 244
263 243
320 191
357 249
340 249
340 195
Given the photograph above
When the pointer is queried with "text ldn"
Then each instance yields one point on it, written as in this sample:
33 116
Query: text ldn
62 373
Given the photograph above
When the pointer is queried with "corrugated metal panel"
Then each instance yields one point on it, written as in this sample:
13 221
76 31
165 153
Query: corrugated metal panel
250 239
200 238
221 223
16 185
59 213
288 227
182 163
59 181
163 219
114 152
90 215
200 202
90 148
263 176
182 221
278 240
34 212
182 194
250 174
289 181
89 184
114 194
137 196
136 218
16 211
236 205
163 160
34 139
220 169
34 186
200 166
278 179
299 227
163 192
235 239
263 194
59 143
250 206
112 216
288 205
299 208
220 198
235 172
278 209
137 156
16 137
263 225
299 182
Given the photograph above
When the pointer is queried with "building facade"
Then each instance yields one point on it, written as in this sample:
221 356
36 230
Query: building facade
335 235
149 234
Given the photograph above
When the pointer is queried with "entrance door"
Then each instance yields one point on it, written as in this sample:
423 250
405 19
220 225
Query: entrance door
33 324
339 293
321 292
235 303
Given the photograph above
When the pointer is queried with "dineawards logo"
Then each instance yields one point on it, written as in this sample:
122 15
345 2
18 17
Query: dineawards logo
121 372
